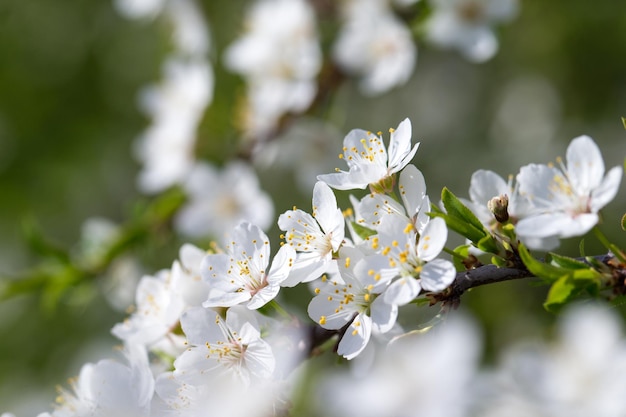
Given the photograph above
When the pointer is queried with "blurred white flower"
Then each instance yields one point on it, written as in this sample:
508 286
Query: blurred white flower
109 388
466 25
139 9
166 148
186 277
307 147
279 57
375 46
219 200
582 374
428 374
156 314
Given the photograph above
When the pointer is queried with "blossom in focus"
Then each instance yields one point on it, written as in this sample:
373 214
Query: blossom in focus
370 162
109 388
354 300
567 199
230 348
314 237
414 256
220 200
425 374
415 203
466 25
279 57
376 46
242 274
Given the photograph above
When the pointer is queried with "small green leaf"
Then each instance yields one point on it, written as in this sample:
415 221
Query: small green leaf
498 261
459 226
560 293
567 262
623 222
488 244
538 268
457 209
362 231
463 252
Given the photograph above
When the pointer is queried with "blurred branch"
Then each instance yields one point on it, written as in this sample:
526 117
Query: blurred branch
58 271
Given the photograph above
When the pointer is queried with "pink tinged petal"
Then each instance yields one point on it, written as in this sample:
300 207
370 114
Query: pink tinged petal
485 185
437 275
263 297
402 291
412 189
556 224
607 190
400 144
585 166
356 337
219 298
432 239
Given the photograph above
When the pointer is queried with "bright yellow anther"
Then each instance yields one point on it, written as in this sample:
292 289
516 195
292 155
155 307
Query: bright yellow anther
322 320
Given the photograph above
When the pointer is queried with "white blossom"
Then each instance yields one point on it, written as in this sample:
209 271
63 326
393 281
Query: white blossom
220 200
375 46
279 57
354 300
369 161
314 237
242 274
567 199
466 25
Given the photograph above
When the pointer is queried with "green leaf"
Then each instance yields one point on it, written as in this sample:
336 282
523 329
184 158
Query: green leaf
456 208
567 262
463 252
498 261
488 244
624 122
538 268
623 222
560 293
362 231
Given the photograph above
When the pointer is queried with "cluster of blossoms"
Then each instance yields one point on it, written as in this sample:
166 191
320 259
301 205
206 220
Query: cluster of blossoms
200 336
548 203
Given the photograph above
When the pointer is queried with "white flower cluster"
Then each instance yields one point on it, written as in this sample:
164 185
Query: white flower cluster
549 203
176 106
205 323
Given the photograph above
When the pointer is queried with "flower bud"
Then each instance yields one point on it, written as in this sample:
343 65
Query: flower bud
499 207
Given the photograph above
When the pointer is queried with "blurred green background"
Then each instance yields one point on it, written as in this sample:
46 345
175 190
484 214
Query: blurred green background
70 73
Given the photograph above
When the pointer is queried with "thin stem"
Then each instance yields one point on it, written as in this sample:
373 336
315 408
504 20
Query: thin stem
610 246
